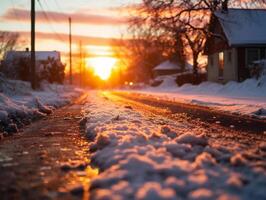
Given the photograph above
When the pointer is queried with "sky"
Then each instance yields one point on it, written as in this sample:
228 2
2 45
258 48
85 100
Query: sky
94 22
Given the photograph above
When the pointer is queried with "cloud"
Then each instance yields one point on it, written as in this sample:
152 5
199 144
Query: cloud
126 10
17 14
64 38
86 40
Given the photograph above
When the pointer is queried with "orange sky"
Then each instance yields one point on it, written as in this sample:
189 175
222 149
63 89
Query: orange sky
95 23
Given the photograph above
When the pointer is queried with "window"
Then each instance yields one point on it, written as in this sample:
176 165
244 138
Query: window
221 64
253 54
229 56
263 53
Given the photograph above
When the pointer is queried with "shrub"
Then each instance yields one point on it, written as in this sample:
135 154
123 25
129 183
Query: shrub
194 79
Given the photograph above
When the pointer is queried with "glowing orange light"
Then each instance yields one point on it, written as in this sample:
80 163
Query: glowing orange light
102 66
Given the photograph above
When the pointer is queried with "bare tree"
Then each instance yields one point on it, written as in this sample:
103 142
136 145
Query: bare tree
172 29
7 42
146 49
195 41
180 24
189 19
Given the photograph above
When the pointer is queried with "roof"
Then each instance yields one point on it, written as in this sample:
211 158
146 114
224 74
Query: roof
243 26
168 65
40 55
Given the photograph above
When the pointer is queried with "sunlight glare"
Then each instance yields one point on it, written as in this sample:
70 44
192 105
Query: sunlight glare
102 66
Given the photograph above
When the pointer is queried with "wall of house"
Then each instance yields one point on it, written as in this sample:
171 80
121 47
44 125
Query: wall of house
165 72
230 72
230 66
213 67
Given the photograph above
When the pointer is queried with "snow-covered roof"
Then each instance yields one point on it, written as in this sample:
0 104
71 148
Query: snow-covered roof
40 55
168 65
244 26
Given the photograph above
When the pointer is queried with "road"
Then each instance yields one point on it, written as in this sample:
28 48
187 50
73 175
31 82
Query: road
217 125
202 113
141 143
50 158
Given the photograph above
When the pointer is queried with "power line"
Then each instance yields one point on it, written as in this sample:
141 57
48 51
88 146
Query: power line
48 7
15 13
14 10
49 22
57 4
59 7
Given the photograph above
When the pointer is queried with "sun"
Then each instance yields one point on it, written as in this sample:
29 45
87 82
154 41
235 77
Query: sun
102 66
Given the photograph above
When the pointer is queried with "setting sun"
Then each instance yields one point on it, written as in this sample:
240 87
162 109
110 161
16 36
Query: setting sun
102 66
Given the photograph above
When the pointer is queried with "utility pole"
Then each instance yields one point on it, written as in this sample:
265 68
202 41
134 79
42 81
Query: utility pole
70 52
81 63
33 59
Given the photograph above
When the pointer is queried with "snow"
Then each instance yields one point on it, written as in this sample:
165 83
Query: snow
168 65
40 55
246 98
140 157
244 26
19 104
167 80
188 138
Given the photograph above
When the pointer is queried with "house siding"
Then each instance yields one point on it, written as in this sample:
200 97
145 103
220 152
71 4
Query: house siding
242 50
230 67
230 72
165 72
212 68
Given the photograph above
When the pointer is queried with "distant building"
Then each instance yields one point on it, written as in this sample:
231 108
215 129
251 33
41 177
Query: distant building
42 57
16 65
169 68
238 39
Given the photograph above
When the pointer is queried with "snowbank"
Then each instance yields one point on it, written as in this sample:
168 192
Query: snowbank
19 104
246 98
154 158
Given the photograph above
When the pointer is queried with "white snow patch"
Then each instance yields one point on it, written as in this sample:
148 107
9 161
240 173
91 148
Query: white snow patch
138 159
19 104
246 98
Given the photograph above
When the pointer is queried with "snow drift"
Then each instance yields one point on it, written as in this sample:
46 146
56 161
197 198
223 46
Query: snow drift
142 157
246 98
19 104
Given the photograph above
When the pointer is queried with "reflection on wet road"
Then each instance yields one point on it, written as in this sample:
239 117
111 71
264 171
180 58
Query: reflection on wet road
49 160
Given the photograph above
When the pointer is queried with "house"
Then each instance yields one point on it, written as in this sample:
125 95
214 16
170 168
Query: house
238 38
169 68
16 64
42 57
13 60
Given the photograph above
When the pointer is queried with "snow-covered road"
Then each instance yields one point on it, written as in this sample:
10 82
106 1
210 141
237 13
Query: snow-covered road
210 116
143 155
246 98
